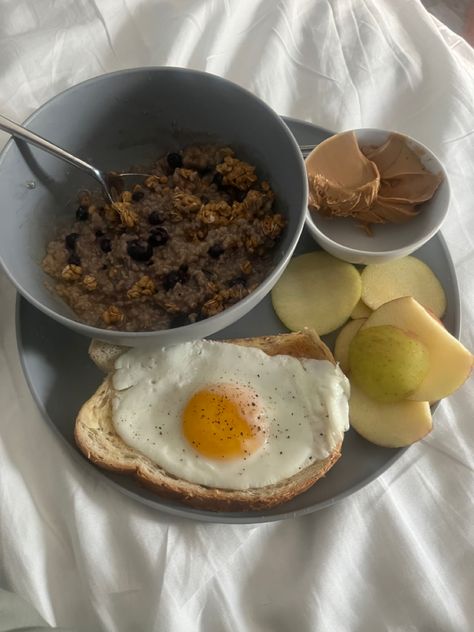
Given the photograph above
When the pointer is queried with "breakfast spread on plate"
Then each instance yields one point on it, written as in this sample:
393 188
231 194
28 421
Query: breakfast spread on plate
237 425
195 238
373 185
248 424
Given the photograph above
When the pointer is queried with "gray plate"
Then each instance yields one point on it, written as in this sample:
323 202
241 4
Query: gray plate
61 377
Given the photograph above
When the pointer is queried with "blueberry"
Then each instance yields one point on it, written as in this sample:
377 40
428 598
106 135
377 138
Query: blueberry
218 179
137 196
171 279
235 195
158 237
74 259
183 273
99 233
215 251
237 281
180 320
70 240
239 195
174 160
82 214
155 218
105 244
139 250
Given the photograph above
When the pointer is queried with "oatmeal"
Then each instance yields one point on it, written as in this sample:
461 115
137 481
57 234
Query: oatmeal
197 236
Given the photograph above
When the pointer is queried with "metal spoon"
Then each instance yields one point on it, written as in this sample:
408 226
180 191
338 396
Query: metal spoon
108 180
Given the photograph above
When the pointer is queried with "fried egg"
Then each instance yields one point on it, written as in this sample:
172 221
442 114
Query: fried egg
228 416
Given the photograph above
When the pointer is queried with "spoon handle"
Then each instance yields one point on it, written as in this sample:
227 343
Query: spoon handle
30 137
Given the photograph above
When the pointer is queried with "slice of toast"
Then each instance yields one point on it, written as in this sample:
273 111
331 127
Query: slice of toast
96 437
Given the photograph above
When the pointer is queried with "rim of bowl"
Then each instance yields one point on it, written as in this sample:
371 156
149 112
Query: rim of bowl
312 226
98 332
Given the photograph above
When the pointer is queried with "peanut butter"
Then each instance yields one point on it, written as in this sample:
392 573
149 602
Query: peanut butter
374 185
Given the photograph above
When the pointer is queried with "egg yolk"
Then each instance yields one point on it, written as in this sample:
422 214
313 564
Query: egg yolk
224 421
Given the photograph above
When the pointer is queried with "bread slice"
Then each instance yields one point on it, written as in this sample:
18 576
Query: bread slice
96 437
104 354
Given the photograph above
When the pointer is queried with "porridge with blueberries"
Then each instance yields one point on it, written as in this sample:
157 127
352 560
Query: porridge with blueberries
194 238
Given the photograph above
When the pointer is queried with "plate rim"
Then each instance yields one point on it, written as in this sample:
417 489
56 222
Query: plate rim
200 515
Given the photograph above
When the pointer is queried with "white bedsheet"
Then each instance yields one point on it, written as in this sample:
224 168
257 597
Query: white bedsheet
397 555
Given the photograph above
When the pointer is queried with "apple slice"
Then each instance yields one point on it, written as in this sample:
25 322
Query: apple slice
407 276
450 362
361 310
318 291
343 340
393 425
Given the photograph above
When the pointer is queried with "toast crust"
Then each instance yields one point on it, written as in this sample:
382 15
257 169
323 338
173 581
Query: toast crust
96 437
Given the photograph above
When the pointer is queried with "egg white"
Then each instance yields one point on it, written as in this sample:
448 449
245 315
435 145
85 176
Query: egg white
305 401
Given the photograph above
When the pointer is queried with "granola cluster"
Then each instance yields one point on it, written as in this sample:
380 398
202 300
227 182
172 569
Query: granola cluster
145 286
237 173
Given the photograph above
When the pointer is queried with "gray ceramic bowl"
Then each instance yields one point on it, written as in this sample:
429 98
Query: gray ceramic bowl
129 117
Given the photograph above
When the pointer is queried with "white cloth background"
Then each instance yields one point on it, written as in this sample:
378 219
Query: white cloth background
397 555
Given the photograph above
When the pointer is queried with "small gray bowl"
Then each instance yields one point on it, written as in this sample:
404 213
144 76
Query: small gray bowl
125 118
342 238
